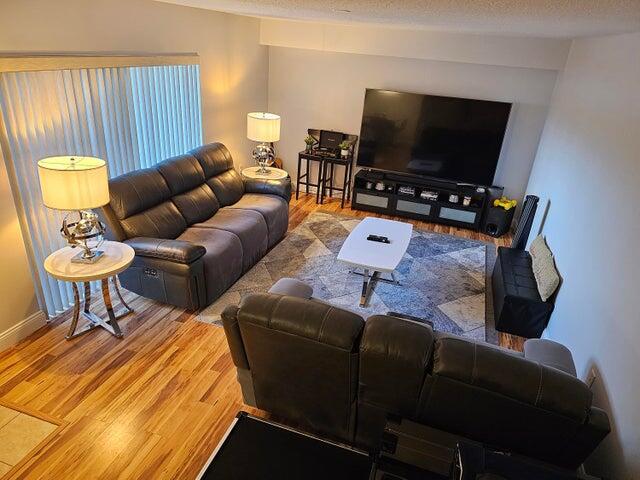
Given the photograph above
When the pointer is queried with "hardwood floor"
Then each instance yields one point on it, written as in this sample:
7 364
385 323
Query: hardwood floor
150 406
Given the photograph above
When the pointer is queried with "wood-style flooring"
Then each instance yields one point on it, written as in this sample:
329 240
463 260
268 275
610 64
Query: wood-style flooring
152 405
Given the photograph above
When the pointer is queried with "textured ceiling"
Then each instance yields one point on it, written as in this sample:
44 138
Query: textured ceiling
542 18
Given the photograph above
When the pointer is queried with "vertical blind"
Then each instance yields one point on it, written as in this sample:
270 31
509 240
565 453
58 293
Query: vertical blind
132 117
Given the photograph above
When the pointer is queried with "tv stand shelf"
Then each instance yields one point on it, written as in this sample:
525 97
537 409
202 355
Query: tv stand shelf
401 195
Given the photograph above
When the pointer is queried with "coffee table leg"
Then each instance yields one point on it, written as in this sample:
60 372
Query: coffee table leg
115 285
365 287
76 311
93 320
107 303
87 297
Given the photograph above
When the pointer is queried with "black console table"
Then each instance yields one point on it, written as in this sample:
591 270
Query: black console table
326 165
422 199
327 161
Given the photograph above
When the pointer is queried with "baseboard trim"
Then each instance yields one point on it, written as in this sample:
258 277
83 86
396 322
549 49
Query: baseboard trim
22 329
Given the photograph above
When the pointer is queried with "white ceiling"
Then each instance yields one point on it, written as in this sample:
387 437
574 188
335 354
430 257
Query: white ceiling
540 18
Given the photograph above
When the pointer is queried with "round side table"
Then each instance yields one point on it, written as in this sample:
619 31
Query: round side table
116 258
272 174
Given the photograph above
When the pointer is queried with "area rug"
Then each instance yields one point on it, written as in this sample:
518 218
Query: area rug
442 276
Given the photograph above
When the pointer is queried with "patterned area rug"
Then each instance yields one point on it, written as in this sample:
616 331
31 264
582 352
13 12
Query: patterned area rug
442 277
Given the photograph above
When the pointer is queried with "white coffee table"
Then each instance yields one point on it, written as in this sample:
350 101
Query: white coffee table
375 257
116 258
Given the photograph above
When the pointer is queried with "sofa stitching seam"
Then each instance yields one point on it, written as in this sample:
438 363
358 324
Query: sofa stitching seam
273 310
324 318
539 395
475 364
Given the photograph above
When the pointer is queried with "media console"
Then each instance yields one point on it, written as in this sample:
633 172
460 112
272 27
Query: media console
460 205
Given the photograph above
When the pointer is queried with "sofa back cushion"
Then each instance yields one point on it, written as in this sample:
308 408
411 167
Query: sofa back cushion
395 355
136 191
214 158
303 357
217 166
191 195
162 221
489 395
492 368
141 202
227 186
197 205
182 173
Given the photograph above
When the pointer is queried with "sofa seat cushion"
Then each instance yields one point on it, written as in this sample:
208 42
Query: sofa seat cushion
273 208
248 225
222 261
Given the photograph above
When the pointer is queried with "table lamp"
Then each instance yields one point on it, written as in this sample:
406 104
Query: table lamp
264 128
80 184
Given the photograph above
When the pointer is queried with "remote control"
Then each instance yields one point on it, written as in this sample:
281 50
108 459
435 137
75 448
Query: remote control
378 238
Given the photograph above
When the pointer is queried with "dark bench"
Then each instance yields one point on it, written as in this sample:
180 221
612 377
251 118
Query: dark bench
517 305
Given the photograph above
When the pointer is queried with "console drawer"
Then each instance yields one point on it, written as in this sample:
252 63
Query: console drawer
413 207
463 216
372 200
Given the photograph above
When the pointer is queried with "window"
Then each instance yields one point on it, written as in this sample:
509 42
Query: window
130 116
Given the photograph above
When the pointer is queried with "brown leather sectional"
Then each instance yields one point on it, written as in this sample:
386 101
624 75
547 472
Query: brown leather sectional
327 370
195 224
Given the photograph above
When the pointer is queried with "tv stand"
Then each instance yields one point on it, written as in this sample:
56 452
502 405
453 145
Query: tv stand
424 199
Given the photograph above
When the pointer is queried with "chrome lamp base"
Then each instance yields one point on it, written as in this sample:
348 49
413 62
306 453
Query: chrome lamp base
263 155
82 258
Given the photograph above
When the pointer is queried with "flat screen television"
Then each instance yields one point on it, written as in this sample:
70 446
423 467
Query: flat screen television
454 139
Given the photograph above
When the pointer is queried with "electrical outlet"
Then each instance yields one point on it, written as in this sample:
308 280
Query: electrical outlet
591 377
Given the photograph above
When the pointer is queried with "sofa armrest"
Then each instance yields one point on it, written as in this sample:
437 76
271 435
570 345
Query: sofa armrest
280 187
292 287
234 337
588 437
177 251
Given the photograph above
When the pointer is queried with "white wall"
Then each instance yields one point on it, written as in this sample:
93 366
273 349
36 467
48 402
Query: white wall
233 68
507 51
19 312
588 166
316 89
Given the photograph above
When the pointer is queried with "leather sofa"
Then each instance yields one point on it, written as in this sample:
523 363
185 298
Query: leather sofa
195 224
325 369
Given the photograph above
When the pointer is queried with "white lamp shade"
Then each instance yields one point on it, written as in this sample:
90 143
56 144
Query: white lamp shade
263 127
73 183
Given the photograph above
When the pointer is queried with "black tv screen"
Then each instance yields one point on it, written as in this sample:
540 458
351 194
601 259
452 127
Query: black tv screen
455 139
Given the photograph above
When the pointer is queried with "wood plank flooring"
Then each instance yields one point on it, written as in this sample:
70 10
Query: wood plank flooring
150 406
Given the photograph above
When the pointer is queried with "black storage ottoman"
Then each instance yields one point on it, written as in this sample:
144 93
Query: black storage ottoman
517 305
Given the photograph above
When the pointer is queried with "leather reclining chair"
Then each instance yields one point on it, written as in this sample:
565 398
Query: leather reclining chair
327 370
195 224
